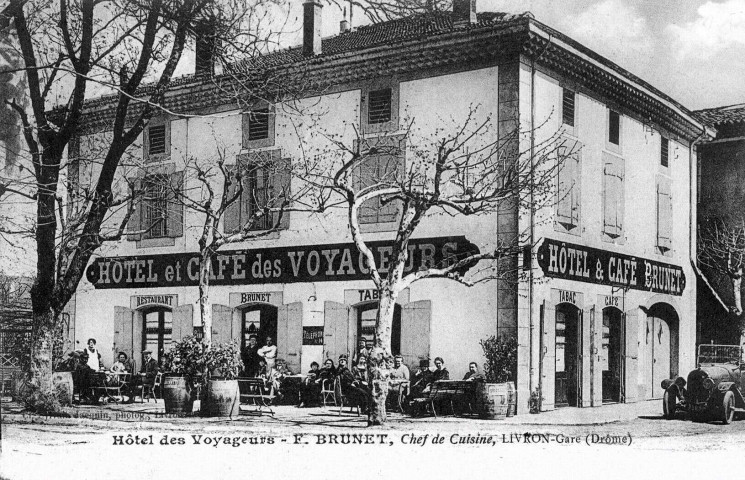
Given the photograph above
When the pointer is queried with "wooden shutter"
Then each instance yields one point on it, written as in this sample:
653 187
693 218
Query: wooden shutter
596 351
135 221
222 323
415 332
548 358
232 215
613 193
124 340
335 330
281 181
664 215
183 322
569 187
631 355
290 334
175 216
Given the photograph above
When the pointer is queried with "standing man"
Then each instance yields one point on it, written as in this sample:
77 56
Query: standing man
251 357
269 353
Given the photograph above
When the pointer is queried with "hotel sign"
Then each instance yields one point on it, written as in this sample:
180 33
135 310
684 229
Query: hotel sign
311 263
591 265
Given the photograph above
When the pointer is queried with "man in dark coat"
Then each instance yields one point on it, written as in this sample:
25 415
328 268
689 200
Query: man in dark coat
251 358
148 371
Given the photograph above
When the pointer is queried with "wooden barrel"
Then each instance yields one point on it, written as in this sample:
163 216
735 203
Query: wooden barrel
222 398
64 387
492 401
511 399
177 394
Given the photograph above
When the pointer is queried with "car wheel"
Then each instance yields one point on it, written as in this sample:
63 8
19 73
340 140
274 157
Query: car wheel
668 405
728 408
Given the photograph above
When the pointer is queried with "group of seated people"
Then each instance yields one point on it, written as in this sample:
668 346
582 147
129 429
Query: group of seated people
90 374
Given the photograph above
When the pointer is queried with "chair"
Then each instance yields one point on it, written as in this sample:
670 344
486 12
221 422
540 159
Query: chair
156 384
255 392
328 393
146 389
342 399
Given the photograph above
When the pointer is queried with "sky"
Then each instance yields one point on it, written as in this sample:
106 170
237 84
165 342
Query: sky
692 50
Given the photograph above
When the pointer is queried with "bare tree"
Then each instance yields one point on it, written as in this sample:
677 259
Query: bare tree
464 169
68 48
721 248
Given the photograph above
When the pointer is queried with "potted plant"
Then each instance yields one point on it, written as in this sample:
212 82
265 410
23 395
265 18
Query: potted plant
185 366
223 362
498 393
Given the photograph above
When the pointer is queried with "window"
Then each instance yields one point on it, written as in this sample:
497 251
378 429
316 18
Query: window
614 128
664 151
567 107
258 124
613 195
258 128
664 215
379 107
383 165
158 212
569 186
157 142
265 178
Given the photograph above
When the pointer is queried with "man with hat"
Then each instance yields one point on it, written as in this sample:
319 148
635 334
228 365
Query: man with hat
148 371
251 358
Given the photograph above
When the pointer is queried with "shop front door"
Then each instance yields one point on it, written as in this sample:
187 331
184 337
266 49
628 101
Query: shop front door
611 354
568 376
660 355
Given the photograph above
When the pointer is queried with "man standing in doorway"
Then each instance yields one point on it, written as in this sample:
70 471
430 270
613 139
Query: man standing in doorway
251 357
269 353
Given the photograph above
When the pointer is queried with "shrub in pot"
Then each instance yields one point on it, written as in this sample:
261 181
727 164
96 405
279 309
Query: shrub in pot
222 397
185 366
500 369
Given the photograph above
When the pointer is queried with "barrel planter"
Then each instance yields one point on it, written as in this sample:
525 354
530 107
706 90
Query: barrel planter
177 394
221 399
64 387
492 401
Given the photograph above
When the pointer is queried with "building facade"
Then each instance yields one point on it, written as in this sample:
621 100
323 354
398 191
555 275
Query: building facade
604 306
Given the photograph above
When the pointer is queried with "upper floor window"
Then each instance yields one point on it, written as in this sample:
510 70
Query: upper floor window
568 196
380 107
664 151
383 165
155 203
258 128
613 196
159 212
567 107
157 140
664 215
265 178
614 128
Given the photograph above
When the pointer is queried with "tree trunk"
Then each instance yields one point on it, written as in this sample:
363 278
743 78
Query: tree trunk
205 306
41 397
378 373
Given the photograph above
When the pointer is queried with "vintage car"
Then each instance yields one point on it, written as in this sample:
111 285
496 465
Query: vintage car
713 391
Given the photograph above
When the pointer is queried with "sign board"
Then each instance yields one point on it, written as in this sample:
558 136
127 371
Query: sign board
313 335
591 265
141 301
310 263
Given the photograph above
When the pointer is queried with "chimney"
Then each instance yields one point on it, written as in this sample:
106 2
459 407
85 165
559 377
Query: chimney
344 24
464 12
312 27
206 49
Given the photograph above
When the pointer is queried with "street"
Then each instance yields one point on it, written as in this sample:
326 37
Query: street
313 443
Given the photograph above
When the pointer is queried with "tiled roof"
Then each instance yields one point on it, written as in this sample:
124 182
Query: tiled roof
722 115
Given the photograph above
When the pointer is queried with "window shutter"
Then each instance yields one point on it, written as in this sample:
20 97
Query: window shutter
232 215
281 182
175 215
613 196
135 221
568 192
664 215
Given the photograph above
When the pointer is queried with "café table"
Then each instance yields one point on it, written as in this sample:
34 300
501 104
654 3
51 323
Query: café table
106 382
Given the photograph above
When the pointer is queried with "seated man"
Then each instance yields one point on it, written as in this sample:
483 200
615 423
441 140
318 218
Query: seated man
148 371
311 386
421 379
399 378
352 387
473 374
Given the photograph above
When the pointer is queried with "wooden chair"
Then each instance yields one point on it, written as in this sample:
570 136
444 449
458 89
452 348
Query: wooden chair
147 390
257 393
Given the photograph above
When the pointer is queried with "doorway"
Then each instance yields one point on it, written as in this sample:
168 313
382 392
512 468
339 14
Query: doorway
260 320
661 347
611 354
158 329
568 379
366 315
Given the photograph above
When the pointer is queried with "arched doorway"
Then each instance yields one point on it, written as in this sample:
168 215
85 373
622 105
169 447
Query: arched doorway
568 379
611 355
259 319
366 314
661 347
158 329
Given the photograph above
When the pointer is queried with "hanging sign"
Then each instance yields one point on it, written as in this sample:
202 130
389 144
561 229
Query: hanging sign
591 265
311 263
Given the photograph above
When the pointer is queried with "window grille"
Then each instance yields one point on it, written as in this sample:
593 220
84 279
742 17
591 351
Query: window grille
379 106
157 137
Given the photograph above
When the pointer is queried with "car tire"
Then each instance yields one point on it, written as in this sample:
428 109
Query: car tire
728 408
668 405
